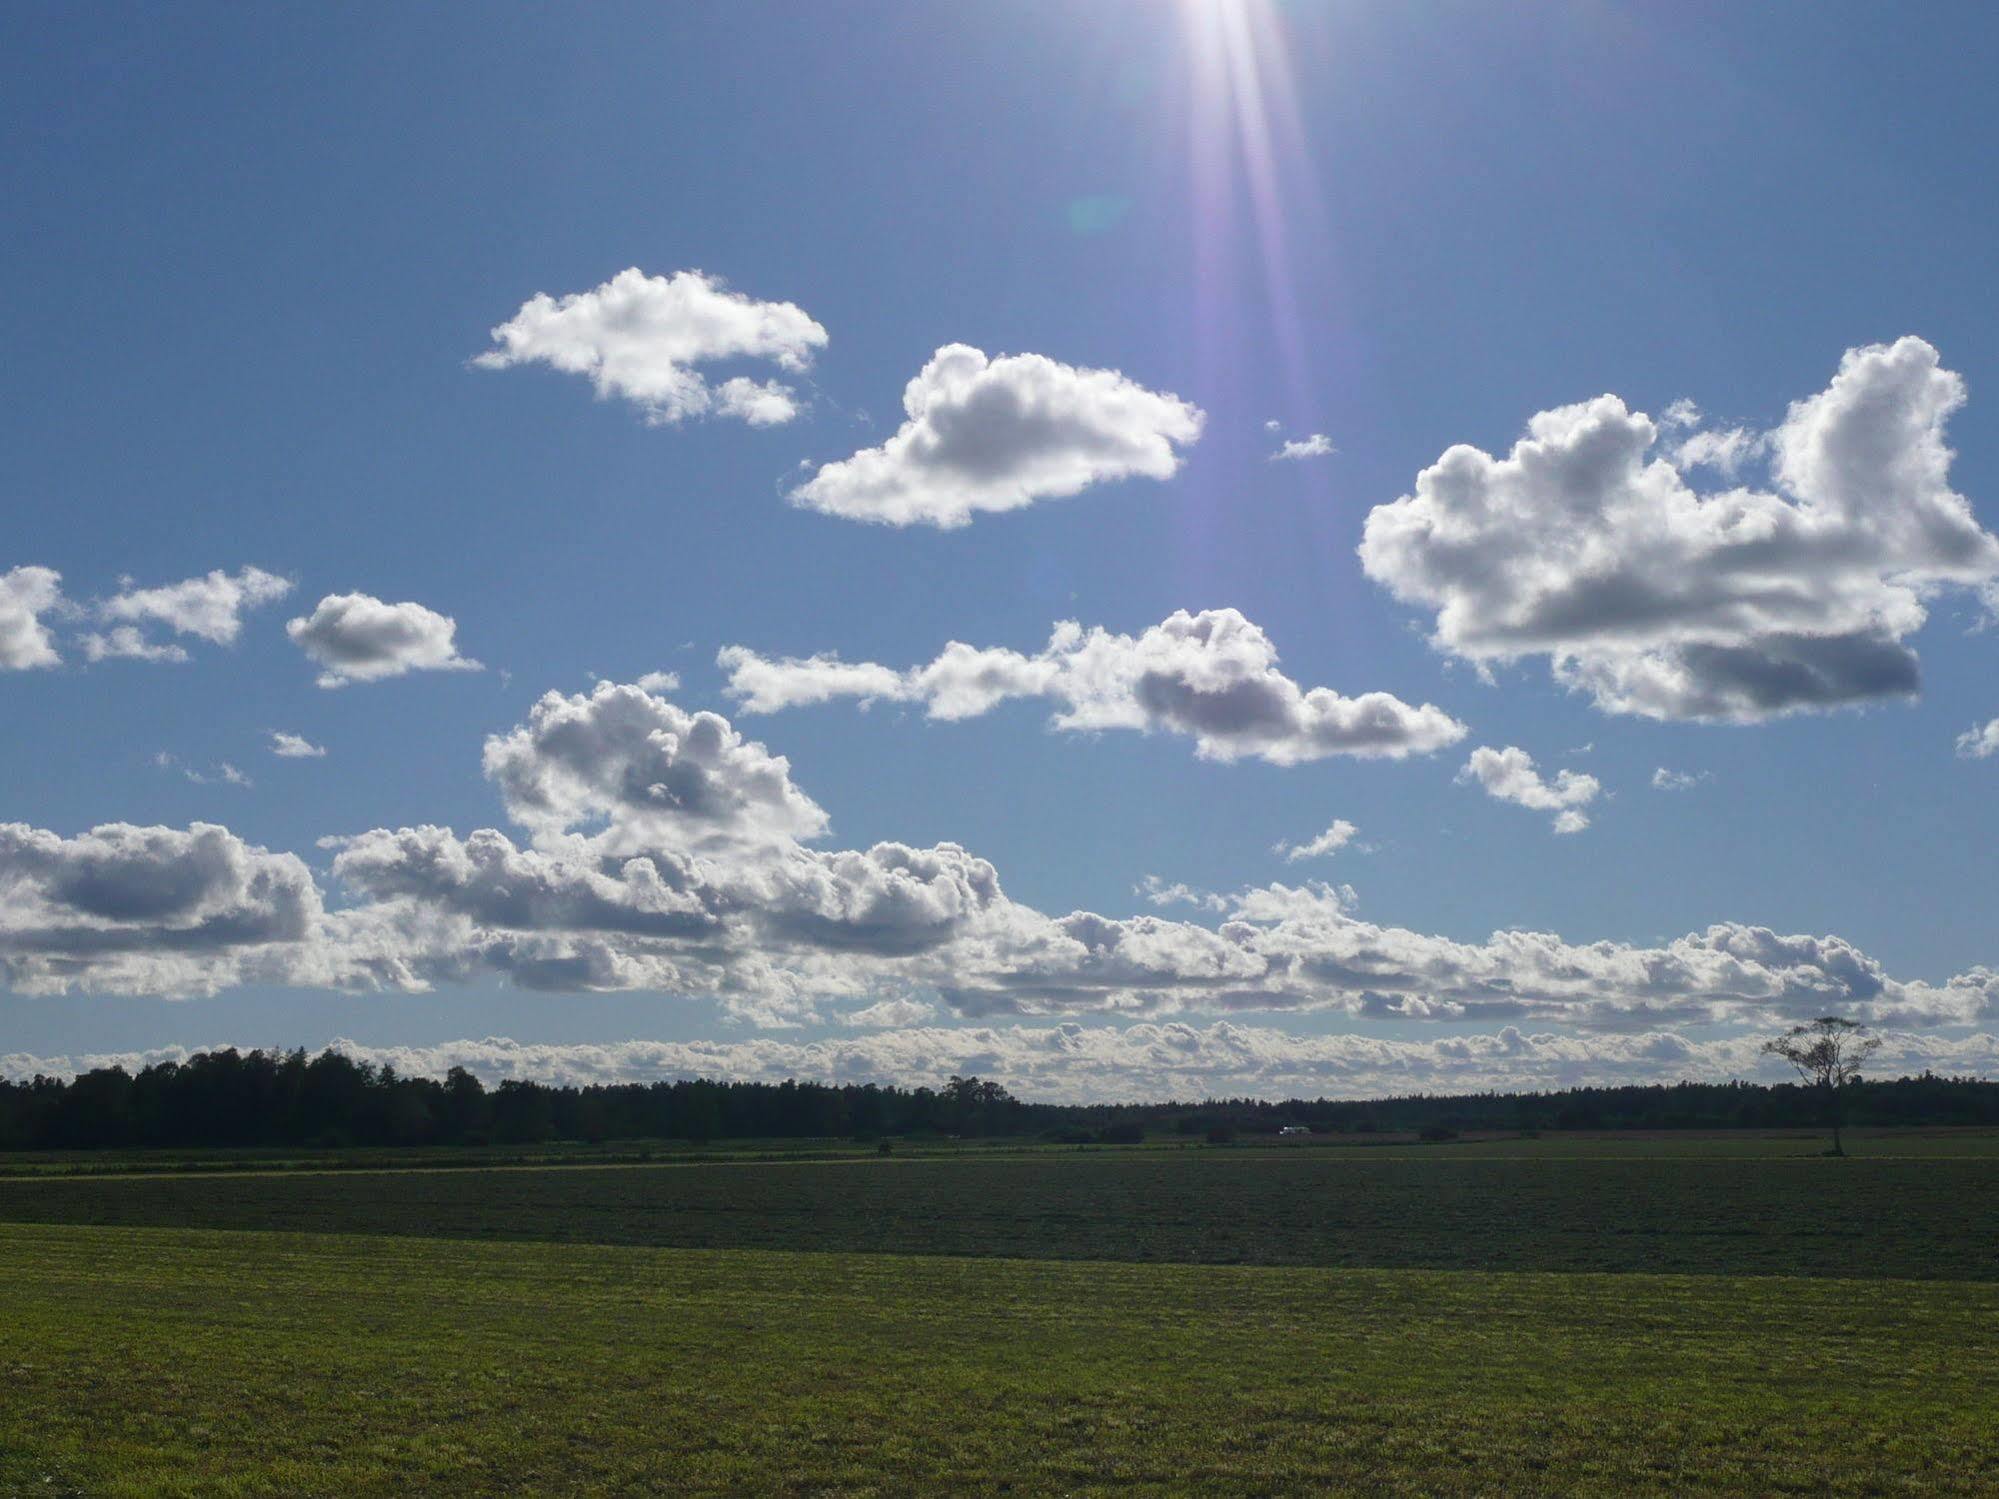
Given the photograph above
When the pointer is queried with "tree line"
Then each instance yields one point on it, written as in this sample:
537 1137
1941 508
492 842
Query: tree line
268 1098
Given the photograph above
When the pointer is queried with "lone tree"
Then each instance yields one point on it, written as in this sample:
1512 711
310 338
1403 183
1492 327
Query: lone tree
1827 1054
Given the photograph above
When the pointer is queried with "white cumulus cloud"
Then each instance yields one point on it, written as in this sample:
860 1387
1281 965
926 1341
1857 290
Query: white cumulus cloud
208 608
1330 842
358 638
1212 676
663 852
641 337
1979 743
1678 780
1156 891
1587 547
1318 445
147 910
996 434
129 643
295 746
1509 775
26 594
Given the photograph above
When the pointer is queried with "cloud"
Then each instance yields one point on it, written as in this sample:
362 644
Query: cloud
666 853
992 435
493 883
1723 451
26 594
1979 743
209 608
1212 676
665 856
890 1014
358 638
146 910
222 774
129 643
1071 1063
640 337
294 747
1585 546
1318 445
1509 775
1678 780
1330 842
655 774
659 681
1158 892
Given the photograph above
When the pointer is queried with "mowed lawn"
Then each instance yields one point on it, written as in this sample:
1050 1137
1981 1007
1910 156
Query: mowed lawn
159 1361
1704 1211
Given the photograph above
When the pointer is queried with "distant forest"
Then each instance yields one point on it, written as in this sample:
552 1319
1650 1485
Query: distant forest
260 1098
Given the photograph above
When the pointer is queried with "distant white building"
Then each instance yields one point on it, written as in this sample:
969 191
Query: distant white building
1292 1129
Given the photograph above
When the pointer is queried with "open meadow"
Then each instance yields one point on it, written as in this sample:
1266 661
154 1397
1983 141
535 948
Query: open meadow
1530 1316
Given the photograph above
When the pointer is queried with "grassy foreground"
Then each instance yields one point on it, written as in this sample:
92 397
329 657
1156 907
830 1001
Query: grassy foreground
170 1362
1699 1212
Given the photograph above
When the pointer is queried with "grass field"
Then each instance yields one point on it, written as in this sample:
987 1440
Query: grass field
1485 1318
158 1361
1613 1145
1696 1212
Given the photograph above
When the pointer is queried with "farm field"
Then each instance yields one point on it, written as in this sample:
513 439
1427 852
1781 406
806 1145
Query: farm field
161 1361
1525 1205
1611 1144
1568 1315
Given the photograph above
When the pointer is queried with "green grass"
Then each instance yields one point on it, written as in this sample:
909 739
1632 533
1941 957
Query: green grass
1700 1211
180 1362
1563 1145
1385 1319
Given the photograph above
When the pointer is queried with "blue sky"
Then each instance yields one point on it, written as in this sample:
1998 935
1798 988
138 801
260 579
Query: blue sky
250 258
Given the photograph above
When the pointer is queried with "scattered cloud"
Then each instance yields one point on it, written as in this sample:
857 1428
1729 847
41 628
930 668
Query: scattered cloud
1979 743
1724 451
1679 780
357 638
26 594
1509 775
209 608
655 774
138 910
223 773
666 853
1318 445
1585 546
640 338
889 1014
129 643
660 681
1212 676
996 434
1156 891
294 747
1328 843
